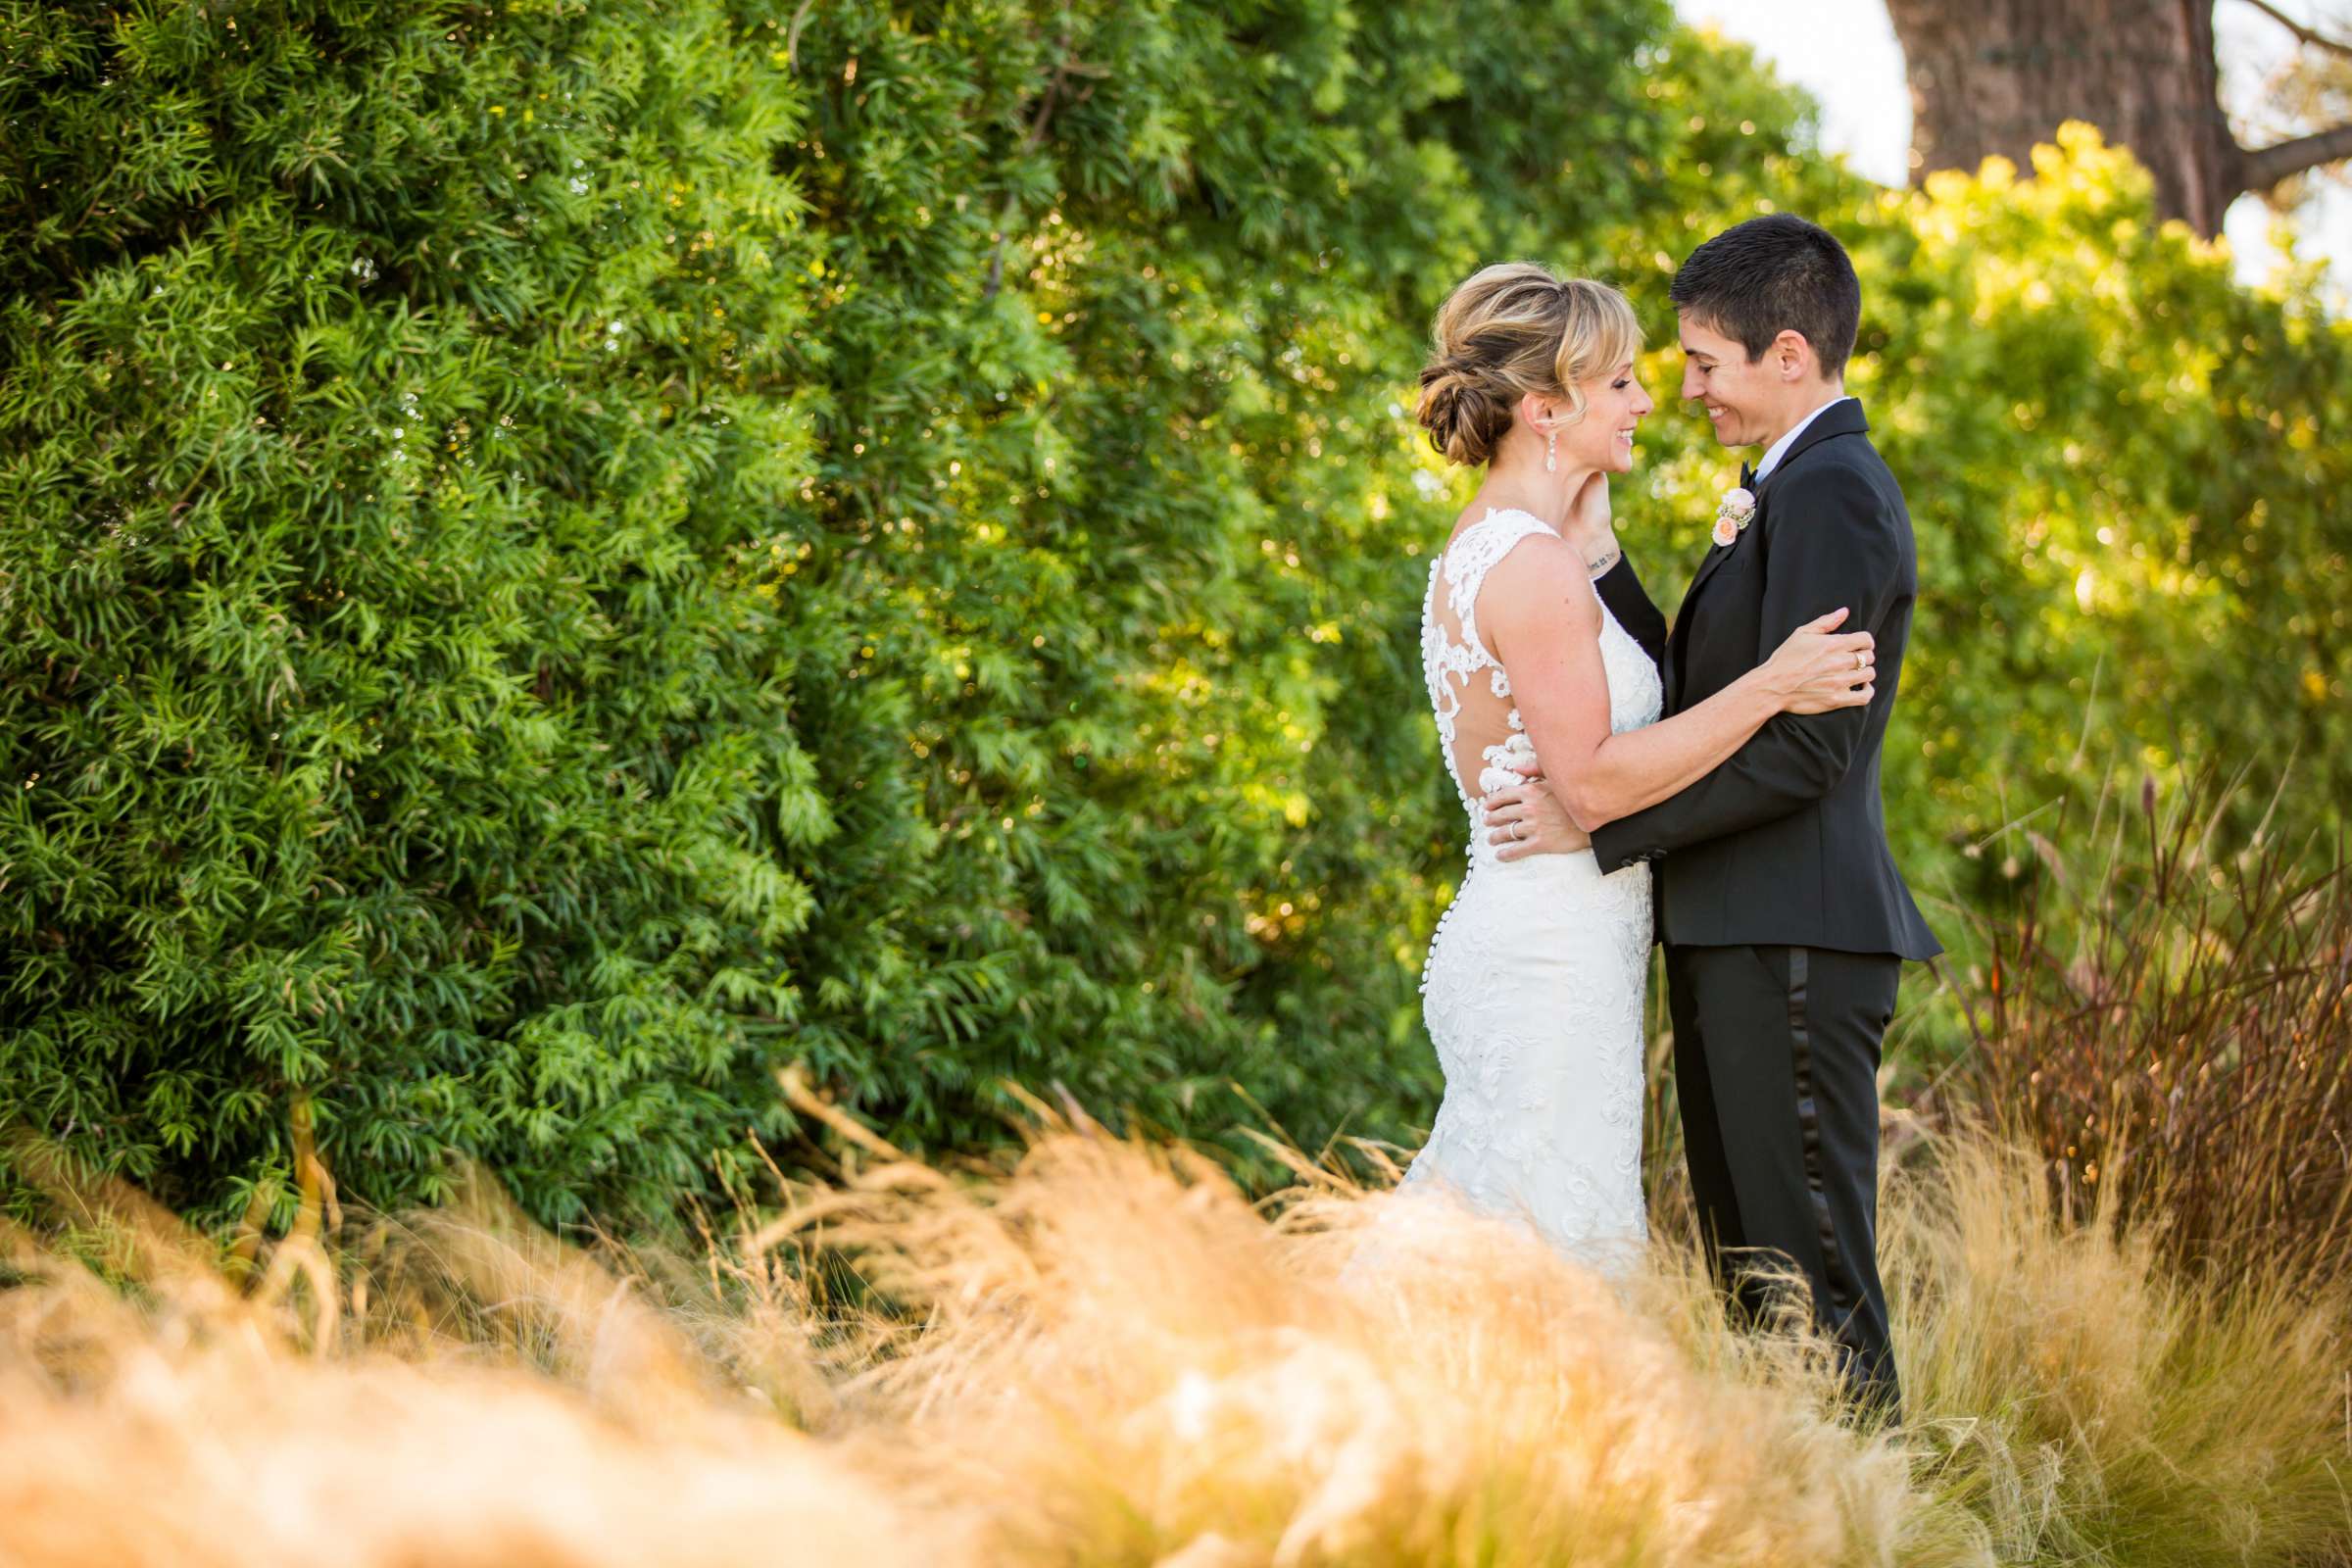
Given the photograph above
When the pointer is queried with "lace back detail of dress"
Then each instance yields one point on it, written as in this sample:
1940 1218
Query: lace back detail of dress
1452 653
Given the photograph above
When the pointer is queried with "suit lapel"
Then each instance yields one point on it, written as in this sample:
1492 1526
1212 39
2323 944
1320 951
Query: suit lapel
1716 556
1844 418
1676 636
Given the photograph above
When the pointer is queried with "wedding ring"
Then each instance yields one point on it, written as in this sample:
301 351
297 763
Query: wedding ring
1515 827
1859 659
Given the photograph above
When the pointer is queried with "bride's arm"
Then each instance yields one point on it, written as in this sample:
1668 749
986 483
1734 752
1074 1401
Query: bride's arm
1540 618
1593 530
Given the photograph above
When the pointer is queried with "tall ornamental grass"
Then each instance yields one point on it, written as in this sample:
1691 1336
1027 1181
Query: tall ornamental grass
1108 1353
2168 1021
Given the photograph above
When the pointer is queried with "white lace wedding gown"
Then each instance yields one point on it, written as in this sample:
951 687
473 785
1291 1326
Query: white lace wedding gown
1534 984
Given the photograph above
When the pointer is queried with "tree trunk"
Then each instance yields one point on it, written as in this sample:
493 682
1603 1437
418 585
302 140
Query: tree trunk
1998 75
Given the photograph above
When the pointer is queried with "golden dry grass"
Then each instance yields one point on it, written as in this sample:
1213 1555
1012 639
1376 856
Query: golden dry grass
2092 1406
1107 1356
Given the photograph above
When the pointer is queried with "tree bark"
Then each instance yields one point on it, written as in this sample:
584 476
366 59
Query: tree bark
1998 75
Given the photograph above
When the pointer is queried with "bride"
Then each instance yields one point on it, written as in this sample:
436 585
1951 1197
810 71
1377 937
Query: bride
1534 984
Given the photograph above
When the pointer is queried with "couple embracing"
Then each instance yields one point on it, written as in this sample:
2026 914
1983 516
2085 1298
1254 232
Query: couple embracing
1714 788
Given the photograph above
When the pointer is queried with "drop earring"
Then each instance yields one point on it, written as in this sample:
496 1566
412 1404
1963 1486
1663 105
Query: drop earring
1552 453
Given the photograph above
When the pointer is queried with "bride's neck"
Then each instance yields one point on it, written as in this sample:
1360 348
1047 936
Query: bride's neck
1545 495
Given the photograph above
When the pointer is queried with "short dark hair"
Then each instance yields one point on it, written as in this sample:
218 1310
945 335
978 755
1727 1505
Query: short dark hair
1772 274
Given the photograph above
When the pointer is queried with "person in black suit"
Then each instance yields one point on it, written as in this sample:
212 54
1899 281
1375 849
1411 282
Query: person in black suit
1785 920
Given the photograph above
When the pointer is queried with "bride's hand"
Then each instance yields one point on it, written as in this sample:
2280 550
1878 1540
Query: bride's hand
1820 668
1529 819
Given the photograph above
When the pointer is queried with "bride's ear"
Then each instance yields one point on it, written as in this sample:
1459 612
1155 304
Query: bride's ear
1542 415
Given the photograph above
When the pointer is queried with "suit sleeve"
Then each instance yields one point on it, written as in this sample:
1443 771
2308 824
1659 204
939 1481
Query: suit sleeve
1621 590
1832 543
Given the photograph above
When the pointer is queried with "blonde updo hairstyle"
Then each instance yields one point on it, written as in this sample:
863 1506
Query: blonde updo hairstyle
1511 329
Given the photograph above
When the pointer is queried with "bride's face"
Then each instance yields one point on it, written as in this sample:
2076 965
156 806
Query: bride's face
1614 405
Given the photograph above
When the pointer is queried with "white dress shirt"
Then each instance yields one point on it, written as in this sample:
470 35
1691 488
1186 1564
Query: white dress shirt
1773 456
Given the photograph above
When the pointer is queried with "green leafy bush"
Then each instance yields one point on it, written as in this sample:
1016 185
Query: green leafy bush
556 557
393 416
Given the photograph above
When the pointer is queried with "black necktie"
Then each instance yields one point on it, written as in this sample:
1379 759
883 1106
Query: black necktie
1747 478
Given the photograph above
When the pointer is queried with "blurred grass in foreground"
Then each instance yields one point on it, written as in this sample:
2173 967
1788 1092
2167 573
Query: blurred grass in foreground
1106 1355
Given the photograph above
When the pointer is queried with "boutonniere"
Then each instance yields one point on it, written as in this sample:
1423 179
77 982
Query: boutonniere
1734 512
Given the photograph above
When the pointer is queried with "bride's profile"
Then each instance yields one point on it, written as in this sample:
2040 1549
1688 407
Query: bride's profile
1532 987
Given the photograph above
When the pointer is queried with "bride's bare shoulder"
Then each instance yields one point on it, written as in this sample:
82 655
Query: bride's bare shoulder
1542 577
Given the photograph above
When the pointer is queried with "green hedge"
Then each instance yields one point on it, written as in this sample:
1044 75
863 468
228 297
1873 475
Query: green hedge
555 558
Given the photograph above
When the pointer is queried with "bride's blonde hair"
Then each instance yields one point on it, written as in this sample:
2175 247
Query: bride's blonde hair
1510 329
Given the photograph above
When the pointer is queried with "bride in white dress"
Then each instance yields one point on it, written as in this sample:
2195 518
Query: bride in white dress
1533 989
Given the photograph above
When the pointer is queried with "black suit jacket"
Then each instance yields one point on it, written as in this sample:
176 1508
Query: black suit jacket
1785 842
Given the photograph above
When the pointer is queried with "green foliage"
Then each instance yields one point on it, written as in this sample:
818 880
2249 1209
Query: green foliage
2129 475
395 403
555 557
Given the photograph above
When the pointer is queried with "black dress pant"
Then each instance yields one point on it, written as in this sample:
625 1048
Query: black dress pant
1775 1057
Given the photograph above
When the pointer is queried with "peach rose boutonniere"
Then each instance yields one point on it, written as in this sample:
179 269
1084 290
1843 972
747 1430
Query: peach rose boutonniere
1734 512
